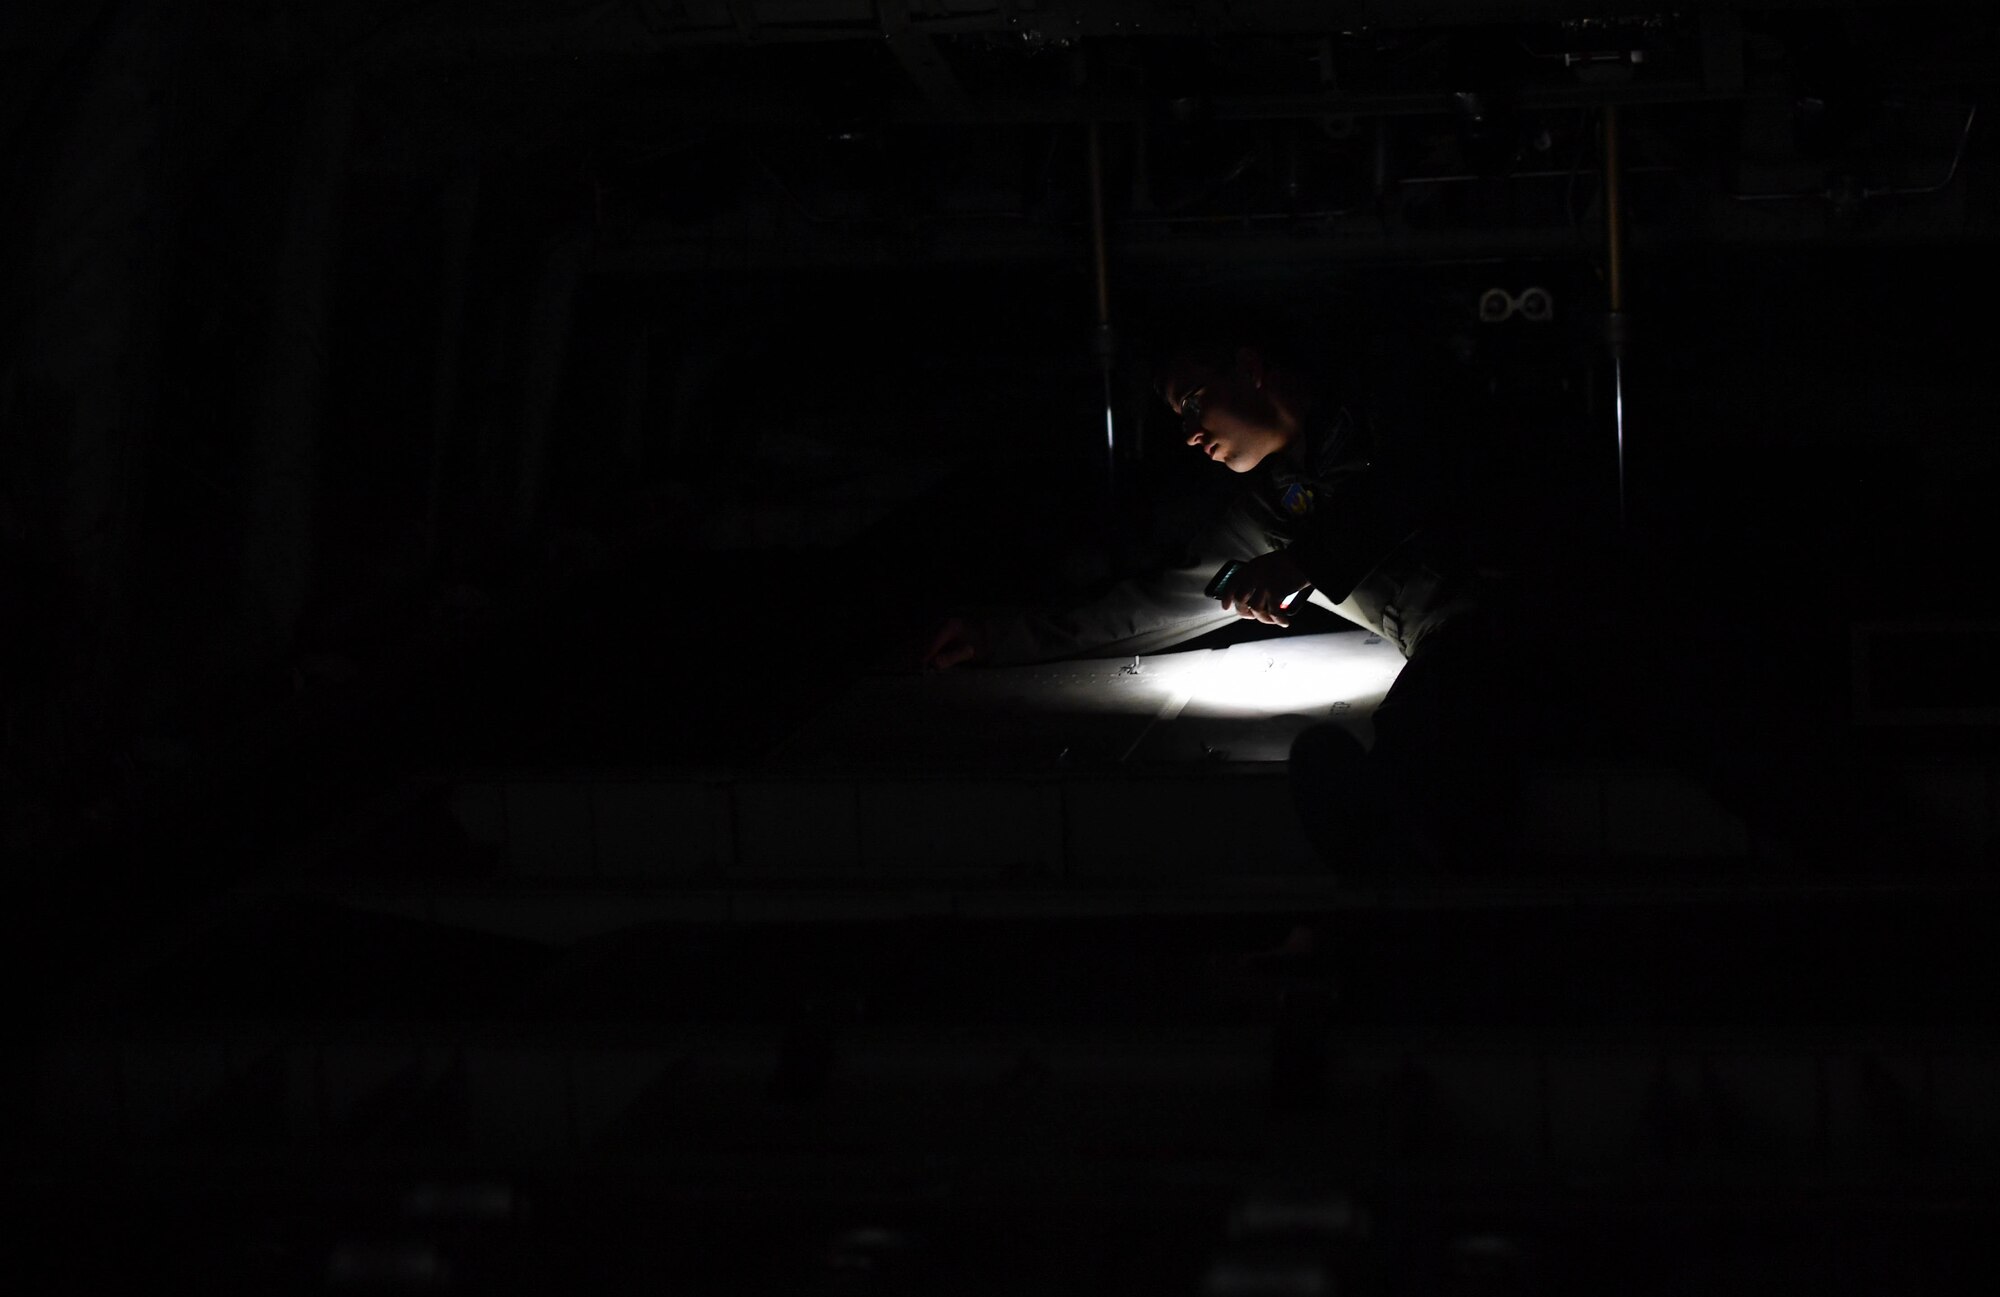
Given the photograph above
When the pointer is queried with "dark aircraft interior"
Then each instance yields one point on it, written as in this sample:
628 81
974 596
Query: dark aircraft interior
476 477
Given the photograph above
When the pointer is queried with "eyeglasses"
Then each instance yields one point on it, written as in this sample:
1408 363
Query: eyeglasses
1191 412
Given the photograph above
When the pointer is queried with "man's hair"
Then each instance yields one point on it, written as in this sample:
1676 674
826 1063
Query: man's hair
1206 353
1211 341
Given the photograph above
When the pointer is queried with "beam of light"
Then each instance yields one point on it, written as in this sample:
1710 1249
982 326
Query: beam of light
1332 676
1316 675
1252 684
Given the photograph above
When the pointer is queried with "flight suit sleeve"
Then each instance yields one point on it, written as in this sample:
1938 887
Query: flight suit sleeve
1144 614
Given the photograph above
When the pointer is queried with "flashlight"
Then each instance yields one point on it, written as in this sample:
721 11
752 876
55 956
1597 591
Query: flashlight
1225 576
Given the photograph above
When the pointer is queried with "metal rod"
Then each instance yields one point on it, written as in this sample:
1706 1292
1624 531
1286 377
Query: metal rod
1618 421
1614 212
1614 274
1097 224
1905 191
1100 261
1951 173
1556 174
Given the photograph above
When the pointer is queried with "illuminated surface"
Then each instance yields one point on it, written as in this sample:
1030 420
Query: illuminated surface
1239 704
1310 674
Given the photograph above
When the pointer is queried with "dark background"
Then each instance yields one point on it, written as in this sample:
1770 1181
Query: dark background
394 388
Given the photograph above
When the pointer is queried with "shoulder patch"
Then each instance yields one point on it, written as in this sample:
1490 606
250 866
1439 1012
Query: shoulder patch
1297 500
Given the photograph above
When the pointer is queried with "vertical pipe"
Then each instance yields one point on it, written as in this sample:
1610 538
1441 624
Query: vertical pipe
1106 348
1614 239
1142 201
1614 212
1097 224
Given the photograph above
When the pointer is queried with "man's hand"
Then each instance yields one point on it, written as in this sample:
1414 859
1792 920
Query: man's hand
955 641
1261 584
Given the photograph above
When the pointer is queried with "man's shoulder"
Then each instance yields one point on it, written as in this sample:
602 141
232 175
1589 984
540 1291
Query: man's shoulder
1338 443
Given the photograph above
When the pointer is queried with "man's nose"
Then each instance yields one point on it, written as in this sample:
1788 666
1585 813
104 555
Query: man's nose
1197 435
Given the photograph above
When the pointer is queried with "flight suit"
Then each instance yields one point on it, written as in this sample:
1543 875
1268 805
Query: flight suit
1375 557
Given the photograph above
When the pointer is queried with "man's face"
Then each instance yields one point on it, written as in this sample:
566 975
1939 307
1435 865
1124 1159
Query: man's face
1226 414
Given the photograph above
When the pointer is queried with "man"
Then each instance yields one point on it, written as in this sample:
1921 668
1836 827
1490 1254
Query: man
1316 512
1587 659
